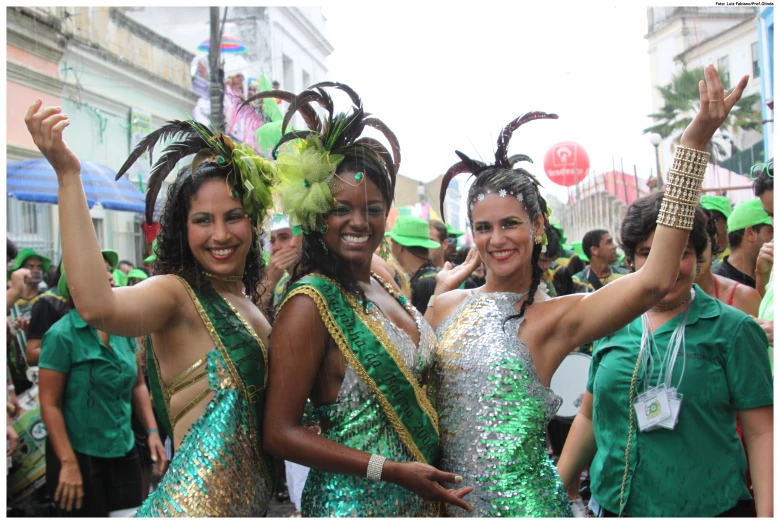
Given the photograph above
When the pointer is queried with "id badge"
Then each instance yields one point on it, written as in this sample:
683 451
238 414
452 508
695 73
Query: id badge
653 409
675 401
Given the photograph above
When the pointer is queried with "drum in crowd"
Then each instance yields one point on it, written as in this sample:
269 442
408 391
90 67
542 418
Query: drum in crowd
570 382
28 466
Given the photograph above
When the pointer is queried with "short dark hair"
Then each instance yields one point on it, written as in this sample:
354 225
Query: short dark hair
125 262
592 239
10 249
440 228
735 237
764 182
641 219
712 230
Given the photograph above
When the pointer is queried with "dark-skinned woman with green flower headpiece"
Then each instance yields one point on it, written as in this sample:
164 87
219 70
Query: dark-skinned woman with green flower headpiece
206 340
343 338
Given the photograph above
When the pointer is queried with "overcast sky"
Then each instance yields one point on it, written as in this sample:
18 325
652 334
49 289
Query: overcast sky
450 77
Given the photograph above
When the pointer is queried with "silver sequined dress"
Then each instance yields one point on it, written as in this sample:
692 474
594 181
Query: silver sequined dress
493 411
358 421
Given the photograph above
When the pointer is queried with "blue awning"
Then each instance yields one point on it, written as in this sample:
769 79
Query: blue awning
34 180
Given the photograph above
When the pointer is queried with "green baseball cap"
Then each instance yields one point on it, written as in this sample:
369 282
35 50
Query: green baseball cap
26 253
62 286
137 274
412 232
451 232
716 203
748 213
556 226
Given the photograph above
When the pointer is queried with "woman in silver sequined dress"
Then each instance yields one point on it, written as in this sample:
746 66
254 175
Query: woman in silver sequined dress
499 345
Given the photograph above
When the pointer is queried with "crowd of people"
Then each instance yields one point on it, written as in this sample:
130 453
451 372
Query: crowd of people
386 372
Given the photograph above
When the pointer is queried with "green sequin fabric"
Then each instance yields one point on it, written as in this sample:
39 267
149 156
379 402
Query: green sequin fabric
357 420
216 472
492 413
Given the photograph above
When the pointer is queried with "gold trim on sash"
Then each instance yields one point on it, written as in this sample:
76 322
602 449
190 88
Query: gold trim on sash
231 368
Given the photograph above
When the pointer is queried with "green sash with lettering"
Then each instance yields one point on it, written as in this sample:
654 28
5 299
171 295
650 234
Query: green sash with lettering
246 358
372 355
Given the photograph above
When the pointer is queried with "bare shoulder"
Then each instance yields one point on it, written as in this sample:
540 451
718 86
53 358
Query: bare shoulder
747 299
447 303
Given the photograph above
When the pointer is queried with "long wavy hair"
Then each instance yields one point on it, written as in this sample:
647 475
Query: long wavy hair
174 256
503 175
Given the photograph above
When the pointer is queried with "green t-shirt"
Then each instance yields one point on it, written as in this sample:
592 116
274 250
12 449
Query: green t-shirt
97 400
767 309
699 468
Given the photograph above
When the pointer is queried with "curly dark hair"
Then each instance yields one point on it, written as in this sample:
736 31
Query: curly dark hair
314 257
766 179
712 231
640 221
515 181
174 256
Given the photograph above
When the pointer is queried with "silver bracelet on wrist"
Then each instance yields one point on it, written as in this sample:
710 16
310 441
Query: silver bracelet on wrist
375 465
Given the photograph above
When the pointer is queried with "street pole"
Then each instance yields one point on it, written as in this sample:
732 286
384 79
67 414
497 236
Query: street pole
658 168
216 87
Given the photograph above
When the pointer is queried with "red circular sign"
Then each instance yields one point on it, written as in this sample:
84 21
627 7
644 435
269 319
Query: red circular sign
566 163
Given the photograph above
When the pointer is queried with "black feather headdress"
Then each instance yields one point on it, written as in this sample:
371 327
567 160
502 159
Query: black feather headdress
307 159
249 170
475 167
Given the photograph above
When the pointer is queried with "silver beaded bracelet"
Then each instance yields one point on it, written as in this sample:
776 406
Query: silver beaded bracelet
375 465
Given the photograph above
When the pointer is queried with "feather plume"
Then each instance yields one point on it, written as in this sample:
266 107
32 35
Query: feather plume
474 165
514 159
307 112
344 87
391 138
511 127
452 172
302 100
379 150
170 130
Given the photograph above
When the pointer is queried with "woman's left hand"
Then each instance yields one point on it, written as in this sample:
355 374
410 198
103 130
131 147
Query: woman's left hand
157 450
715 104
450 278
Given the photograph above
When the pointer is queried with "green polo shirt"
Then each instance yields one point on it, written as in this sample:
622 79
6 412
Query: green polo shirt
97 401
698 469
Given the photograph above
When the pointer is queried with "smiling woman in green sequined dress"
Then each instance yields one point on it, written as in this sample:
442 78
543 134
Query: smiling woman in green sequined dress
500 345
345 339
206 351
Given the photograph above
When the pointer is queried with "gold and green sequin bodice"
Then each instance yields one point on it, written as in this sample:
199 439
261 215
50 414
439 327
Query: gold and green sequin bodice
357 420
493 411
217 471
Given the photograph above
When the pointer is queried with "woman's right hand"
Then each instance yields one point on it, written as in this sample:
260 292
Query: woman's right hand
46 127
70 490
424 480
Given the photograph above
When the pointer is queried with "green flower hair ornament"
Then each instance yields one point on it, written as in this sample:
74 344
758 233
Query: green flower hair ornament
258 176
306 176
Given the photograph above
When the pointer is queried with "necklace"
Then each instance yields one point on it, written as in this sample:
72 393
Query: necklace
229 278
665 309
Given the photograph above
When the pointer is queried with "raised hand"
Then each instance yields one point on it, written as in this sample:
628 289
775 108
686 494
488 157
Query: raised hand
19 279
715 106
766 258
450 278
46 126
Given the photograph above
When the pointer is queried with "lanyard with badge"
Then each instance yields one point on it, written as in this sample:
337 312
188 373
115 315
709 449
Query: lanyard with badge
659 406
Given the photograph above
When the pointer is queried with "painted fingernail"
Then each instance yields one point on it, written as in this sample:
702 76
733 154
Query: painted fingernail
458 479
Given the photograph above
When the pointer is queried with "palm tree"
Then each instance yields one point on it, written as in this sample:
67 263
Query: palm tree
681 103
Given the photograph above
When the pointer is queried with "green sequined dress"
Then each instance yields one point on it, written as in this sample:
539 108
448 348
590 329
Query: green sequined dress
493 411
216 471
357 420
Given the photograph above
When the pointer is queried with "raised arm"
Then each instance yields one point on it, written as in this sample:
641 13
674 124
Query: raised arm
129 312
590 317
297 354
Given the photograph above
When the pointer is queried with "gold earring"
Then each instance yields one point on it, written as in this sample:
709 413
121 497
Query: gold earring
538 239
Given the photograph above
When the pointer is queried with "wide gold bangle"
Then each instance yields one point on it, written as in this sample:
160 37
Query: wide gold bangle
691 161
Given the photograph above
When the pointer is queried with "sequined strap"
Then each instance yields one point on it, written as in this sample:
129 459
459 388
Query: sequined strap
175 385
194 402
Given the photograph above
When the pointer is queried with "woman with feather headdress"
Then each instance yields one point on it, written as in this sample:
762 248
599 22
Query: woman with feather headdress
206 340
499 345
343 336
